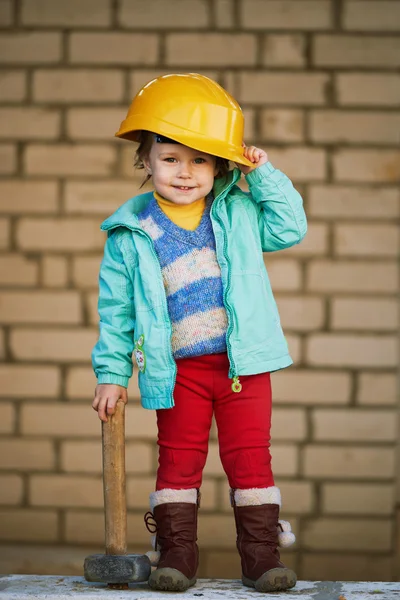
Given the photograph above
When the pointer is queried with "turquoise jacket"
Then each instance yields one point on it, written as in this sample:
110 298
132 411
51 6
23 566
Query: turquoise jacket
132 303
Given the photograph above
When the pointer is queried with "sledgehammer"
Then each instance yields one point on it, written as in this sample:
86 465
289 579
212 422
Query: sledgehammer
115 567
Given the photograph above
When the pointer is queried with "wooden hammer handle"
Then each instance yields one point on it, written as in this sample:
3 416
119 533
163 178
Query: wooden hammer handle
113 437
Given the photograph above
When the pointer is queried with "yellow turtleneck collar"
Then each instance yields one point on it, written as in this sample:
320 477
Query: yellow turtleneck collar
187 216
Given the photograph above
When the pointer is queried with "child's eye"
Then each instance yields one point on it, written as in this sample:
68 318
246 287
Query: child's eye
199 161
170 159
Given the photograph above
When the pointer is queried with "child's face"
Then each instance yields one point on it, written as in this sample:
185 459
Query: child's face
179 173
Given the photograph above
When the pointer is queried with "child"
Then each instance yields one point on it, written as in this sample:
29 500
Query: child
184 288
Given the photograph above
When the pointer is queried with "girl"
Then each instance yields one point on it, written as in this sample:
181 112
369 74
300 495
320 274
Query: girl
183 287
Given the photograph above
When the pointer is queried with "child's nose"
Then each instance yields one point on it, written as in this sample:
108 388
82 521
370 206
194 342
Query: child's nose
184 170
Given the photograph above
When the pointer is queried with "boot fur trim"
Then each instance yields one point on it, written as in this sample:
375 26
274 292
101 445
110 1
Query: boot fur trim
258 496
168 495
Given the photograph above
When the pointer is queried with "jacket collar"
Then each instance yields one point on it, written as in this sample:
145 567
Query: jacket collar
126 215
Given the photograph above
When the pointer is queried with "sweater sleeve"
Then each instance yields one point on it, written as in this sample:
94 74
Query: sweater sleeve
281 218
112 355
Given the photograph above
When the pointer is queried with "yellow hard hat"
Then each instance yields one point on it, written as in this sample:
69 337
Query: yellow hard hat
192 110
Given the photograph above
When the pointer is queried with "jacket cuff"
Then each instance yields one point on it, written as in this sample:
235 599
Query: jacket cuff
113 378
260 174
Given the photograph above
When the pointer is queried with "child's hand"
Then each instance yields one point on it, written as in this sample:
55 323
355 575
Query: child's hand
255 155
106 397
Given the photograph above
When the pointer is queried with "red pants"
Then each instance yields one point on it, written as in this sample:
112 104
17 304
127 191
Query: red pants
243 420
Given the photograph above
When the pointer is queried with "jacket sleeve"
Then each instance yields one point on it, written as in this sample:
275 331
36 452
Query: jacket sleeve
112 355
281 218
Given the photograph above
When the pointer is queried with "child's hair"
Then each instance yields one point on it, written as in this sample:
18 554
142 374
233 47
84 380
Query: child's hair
145 140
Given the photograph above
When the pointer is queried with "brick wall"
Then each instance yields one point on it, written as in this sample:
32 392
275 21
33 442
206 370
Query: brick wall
319 82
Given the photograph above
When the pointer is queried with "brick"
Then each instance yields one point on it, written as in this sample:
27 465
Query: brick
284 51
213 466
209 496
283 88
29 381
366 240
224 14
350 202
300 164
371 16
138 490
334 534
377 389
315 242
289 424
364 314
54 271
139 78
24 197
78 85
61 345
2 345
67 235
81 382
285 459
311 387
8 158
346 567
49 559
4 233
374 166
74 13
26 455
295 347
348 462
65 159
337 350
282 125
7 423
360 499
180 14
378 277
97 198
28 525
367 89
217 531
30 48
285 274
140 423
55 419
29 123
86 457
12 86
40 307
333 126
82 526
6 13
218 49
65 491
17 270
91 307
93 123
286 14
11 489
356 51
301 313
114 48
354 425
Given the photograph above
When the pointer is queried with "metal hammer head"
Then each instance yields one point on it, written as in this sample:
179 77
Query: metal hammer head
113 568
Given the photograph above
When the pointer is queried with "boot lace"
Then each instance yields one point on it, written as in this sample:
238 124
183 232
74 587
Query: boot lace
150 522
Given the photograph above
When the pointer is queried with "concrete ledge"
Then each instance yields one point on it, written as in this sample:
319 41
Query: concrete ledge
42 587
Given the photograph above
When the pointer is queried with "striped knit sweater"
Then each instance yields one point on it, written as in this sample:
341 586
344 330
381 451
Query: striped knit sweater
192 280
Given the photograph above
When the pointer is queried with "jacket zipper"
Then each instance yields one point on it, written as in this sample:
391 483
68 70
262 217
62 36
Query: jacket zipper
236 385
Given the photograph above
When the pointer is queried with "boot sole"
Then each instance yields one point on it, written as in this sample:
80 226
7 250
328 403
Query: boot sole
169 580
274 580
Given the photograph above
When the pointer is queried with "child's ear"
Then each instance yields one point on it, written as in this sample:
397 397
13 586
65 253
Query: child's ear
146 164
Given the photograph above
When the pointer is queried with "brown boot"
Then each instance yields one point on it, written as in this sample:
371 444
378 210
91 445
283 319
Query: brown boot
257 525
176 526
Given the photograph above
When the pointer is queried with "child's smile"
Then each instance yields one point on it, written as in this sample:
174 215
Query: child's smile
179 173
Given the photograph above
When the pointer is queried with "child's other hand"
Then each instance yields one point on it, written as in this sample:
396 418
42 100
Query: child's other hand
255 155
106 397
